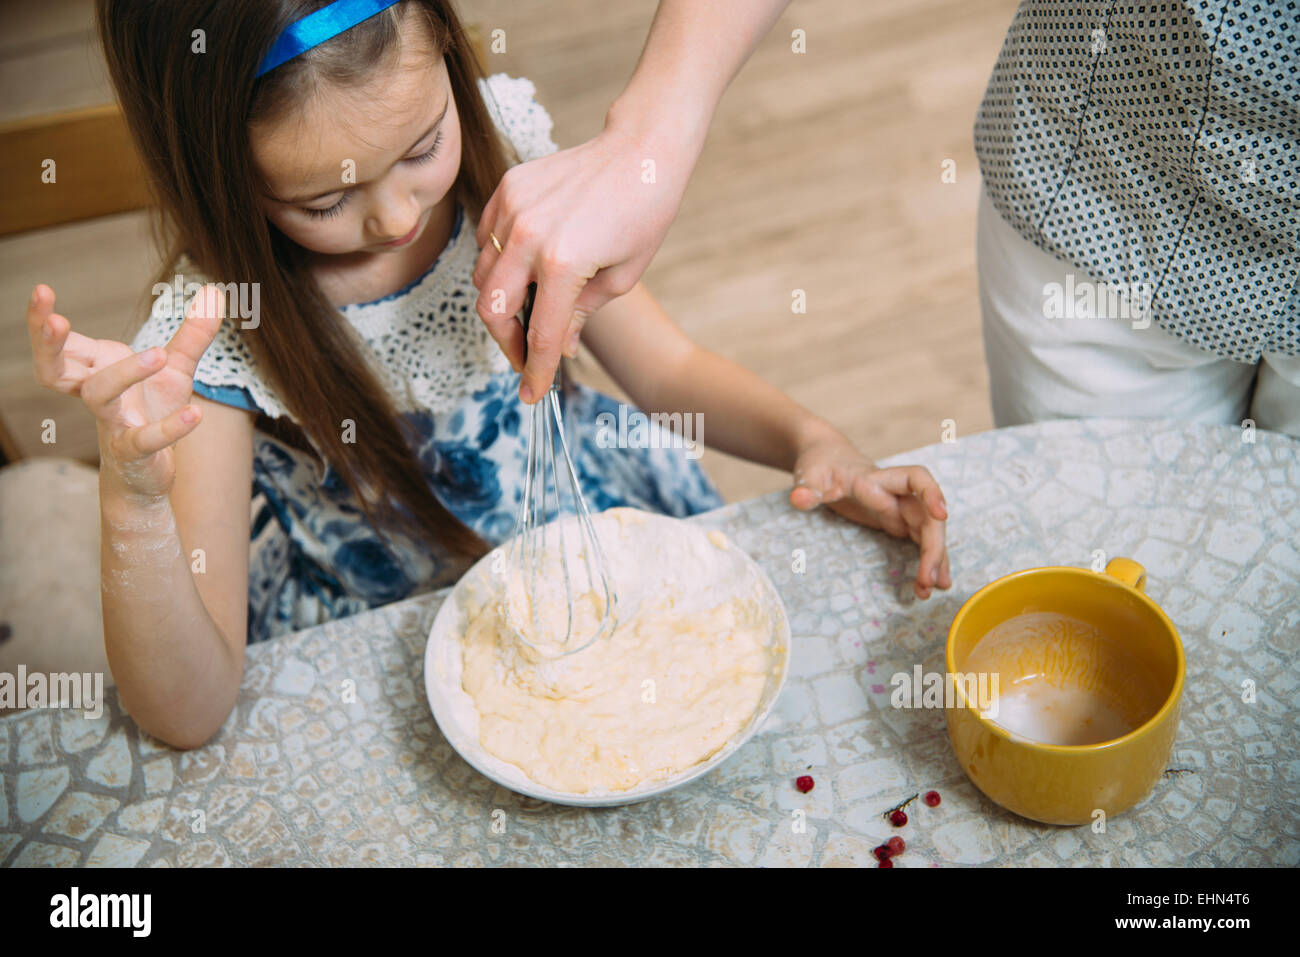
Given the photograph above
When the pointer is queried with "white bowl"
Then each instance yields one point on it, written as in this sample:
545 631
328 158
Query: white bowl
728 572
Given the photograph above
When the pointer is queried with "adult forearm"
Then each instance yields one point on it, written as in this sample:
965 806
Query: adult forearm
585 222
693 52
173 669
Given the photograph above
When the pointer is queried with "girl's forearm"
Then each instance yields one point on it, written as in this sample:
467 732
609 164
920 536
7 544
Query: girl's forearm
740 413
173 670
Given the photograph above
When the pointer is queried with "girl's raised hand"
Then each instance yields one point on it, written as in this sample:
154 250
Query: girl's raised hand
904 501
141 401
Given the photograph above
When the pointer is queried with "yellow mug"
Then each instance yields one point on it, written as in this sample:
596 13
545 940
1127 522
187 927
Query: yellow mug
1086 674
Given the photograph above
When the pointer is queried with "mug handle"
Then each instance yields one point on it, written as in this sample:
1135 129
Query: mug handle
1127 571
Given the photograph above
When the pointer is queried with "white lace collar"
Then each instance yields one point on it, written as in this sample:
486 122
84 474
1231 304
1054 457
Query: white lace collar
432 348
426 342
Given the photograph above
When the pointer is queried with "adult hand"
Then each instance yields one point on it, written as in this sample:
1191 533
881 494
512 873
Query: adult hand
583 224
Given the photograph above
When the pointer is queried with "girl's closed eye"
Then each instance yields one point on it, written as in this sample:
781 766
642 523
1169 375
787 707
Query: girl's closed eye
328 213
429 154
332 211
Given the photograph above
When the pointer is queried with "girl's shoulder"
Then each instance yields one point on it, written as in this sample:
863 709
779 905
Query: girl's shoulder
226 372
512 103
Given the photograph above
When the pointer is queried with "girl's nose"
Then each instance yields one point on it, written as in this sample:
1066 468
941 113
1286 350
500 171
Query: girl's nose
394 217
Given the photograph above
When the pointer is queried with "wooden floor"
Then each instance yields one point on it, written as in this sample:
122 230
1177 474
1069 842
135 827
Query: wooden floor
823 172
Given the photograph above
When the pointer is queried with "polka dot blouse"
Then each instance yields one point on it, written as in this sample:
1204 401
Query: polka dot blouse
1156 146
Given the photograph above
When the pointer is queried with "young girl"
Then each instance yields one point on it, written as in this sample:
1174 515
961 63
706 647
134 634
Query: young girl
352 418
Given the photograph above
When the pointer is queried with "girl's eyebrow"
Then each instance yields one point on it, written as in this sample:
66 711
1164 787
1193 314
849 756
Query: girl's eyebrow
419 139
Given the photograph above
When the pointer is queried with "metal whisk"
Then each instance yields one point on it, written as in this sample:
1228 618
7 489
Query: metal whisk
530 561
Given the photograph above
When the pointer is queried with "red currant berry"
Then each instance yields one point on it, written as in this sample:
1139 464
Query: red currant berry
932 798
804 783
895 846
898 819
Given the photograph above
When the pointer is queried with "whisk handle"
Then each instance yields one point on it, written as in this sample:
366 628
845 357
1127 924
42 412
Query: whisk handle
525 317
526 313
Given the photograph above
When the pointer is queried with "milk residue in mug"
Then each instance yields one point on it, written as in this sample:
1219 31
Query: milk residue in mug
1042 712
1062 681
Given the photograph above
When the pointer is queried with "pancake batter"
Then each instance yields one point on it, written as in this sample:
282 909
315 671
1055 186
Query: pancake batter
664 692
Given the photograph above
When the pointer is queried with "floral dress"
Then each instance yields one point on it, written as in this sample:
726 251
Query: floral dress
313 556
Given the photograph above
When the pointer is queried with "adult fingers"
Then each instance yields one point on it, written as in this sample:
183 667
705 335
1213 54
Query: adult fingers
558 289
487 221
488 254
573 337
599 290
500 298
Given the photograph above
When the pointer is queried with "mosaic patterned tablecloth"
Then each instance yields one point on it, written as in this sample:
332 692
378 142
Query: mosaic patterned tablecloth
297 777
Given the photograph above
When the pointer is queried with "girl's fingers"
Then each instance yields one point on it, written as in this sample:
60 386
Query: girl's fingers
932 552
894 523
804 498
906 502
144 440
47 337
915 480
887 519
889 508
810 486
930 534
102 391
203 318
64 359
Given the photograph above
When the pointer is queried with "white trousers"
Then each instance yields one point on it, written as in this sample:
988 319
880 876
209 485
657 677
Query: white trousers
1100 365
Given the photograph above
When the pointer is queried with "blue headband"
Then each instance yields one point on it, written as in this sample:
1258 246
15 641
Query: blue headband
315 28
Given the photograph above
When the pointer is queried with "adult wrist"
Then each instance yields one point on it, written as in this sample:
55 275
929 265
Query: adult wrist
678 124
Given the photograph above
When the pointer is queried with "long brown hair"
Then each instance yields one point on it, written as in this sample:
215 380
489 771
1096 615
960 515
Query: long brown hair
189 114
